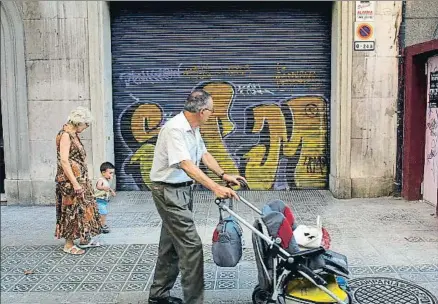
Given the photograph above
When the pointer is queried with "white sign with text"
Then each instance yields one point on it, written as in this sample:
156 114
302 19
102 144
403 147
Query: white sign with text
365 10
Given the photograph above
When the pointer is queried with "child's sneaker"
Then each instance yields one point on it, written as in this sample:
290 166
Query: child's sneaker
105 229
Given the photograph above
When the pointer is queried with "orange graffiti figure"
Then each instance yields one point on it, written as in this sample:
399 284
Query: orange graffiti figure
223 95
263 163
145 124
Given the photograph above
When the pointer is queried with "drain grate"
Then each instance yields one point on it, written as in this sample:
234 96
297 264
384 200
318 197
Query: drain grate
377 290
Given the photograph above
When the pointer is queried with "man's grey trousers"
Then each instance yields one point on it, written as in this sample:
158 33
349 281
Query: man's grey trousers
180 247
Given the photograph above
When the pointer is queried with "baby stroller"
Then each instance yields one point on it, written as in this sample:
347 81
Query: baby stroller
286 274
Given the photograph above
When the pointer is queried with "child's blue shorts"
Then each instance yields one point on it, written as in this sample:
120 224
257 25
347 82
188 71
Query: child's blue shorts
102 205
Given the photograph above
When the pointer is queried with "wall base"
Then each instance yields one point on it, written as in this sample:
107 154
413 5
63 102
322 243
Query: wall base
27 192
372 187
340 187
18 192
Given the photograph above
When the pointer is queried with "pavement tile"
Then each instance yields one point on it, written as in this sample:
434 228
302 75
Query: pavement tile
402 245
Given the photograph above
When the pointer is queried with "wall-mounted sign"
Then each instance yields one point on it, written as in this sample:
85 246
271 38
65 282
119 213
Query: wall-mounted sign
365 10
364 36
433 90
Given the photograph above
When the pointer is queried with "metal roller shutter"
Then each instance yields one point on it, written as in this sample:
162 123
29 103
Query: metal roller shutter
268 68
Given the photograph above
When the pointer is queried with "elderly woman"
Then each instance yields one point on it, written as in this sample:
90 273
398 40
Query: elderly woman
77 216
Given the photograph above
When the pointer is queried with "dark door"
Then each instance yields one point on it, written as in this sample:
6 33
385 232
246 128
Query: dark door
267 67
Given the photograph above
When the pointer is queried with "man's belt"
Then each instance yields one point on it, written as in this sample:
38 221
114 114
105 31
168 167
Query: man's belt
175 185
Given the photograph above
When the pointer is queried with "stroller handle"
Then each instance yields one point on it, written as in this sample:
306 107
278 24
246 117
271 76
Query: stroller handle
250 205
244 184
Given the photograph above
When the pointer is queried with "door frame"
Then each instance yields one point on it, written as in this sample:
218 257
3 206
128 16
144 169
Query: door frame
341 88
414 137
14 105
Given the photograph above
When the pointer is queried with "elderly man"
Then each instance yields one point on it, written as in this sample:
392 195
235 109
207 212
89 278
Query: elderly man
178 151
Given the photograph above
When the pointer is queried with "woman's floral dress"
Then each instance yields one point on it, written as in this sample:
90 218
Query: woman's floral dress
76 217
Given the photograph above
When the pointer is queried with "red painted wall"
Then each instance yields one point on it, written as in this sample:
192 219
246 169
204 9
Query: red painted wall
415 116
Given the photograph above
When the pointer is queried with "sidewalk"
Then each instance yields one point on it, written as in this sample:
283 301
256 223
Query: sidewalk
382 238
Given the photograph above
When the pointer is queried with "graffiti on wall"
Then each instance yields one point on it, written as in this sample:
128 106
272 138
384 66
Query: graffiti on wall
283 142
268 69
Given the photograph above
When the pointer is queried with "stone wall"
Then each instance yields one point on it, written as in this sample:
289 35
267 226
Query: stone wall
421 21
374 105
56 50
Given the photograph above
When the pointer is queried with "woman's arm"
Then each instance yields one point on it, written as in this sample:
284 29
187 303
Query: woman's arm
64 150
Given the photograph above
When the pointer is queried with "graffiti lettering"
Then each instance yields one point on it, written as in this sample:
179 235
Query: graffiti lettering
291 134
144 157
199 72
145 122
220 125
315 164
263 158
310 132
207 72
283 77
153 76
252 89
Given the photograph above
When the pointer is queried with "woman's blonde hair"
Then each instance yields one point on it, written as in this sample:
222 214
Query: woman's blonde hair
80 115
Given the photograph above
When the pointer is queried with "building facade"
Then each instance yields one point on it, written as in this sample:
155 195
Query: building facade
296 107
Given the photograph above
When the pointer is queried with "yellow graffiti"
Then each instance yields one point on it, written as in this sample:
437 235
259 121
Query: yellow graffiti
305 143
259 172
212 133
144 157
310 128
145 122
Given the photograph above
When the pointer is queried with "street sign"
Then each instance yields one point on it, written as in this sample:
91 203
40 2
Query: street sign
365 10
364 31
364 45
364 36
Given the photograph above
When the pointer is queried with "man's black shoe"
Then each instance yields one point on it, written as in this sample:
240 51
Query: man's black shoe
168 300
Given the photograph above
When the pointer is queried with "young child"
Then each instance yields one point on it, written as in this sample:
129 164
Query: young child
103 191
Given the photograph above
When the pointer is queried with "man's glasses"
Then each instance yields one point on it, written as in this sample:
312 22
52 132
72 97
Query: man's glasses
211 110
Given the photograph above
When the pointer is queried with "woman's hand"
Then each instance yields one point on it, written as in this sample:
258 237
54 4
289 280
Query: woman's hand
79 191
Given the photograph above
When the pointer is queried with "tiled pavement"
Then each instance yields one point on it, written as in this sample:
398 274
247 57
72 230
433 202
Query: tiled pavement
381 237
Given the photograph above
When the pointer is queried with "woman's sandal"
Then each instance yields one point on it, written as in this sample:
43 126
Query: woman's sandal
74 250
91 244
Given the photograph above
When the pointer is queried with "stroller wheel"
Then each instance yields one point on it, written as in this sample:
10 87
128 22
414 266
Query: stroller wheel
260 296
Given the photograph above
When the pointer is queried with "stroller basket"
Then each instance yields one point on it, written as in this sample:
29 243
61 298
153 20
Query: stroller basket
280 272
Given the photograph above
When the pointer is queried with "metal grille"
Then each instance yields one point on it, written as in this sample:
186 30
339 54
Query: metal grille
267 67
373 290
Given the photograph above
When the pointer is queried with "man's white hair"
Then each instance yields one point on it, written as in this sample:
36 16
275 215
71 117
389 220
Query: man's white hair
80 115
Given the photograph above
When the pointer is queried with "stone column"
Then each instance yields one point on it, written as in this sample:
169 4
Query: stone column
340 122
99 39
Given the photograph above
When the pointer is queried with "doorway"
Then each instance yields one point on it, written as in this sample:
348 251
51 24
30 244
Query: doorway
415 112
430 180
